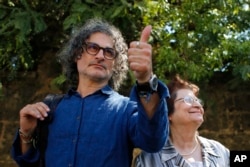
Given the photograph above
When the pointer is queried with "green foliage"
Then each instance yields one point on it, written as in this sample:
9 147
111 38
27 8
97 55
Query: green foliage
198 38
120 12
58 82
192 38
19 24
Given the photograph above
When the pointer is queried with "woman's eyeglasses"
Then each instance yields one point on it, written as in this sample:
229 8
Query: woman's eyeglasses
190 100
93 49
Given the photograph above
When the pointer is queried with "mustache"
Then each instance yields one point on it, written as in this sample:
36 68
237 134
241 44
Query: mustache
98 63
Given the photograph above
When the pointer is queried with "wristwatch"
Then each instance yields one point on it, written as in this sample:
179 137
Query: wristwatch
147 88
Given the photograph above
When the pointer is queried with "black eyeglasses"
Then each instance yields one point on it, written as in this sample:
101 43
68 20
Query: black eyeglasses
190 100
93 49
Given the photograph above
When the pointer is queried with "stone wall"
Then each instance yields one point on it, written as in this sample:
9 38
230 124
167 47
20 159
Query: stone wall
227 116
29 87
226 119
227 111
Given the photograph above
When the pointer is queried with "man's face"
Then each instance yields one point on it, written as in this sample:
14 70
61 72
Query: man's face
96 68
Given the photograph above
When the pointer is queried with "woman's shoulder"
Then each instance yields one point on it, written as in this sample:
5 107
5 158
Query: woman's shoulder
214 144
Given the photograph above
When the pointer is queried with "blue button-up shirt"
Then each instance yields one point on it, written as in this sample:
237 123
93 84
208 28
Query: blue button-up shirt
100 130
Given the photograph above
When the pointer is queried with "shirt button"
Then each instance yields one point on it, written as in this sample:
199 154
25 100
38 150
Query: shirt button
78 118
70 165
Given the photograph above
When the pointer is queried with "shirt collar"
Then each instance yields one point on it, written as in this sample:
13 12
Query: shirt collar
168 152
207 147
105 90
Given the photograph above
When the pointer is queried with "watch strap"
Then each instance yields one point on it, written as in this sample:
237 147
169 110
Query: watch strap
147 88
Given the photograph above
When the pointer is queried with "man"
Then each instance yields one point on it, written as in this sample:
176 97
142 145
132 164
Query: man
93 125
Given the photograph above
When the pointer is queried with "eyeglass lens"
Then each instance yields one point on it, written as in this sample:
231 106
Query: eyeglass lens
190 100
93 49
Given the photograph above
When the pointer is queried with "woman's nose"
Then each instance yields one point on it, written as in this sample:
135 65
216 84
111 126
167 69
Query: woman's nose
198 103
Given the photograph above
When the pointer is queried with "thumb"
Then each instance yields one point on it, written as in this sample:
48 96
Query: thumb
145 34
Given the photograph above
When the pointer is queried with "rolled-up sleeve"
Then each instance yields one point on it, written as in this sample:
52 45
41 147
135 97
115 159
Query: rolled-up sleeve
150 134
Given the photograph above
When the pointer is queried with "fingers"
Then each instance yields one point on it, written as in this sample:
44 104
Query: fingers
146 34
140 63
30 114
38 110
143 39
138 45
140 56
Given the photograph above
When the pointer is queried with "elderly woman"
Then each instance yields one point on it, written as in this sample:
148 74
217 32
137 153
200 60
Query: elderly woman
185 148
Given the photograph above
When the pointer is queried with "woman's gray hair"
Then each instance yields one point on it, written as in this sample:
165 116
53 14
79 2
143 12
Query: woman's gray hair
73 51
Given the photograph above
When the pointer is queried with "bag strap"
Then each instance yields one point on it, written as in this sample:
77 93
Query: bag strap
52 100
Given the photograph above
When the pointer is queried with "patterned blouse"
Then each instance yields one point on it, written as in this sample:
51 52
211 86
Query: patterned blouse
214 154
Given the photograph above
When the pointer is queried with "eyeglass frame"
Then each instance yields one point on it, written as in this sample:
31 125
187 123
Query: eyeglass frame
193 100
86 44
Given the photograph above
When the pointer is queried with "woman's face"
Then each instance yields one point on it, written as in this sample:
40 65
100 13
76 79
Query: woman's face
187 109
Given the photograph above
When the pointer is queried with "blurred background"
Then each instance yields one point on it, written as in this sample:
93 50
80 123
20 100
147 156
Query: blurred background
205 41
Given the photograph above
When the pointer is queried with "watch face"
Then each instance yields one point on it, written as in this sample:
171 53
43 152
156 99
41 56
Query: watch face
154 83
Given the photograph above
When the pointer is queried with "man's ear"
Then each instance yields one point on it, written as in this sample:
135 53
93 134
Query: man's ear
77 58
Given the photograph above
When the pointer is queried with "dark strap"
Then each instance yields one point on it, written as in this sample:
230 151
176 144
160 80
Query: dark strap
52 100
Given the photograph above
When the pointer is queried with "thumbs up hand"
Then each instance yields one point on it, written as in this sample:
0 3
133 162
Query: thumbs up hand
140 57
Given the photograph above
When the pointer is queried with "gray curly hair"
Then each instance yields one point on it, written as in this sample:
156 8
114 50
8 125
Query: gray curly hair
73 50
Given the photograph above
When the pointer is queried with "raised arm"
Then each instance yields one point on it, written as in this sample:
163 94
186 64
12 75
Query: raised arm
140 62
